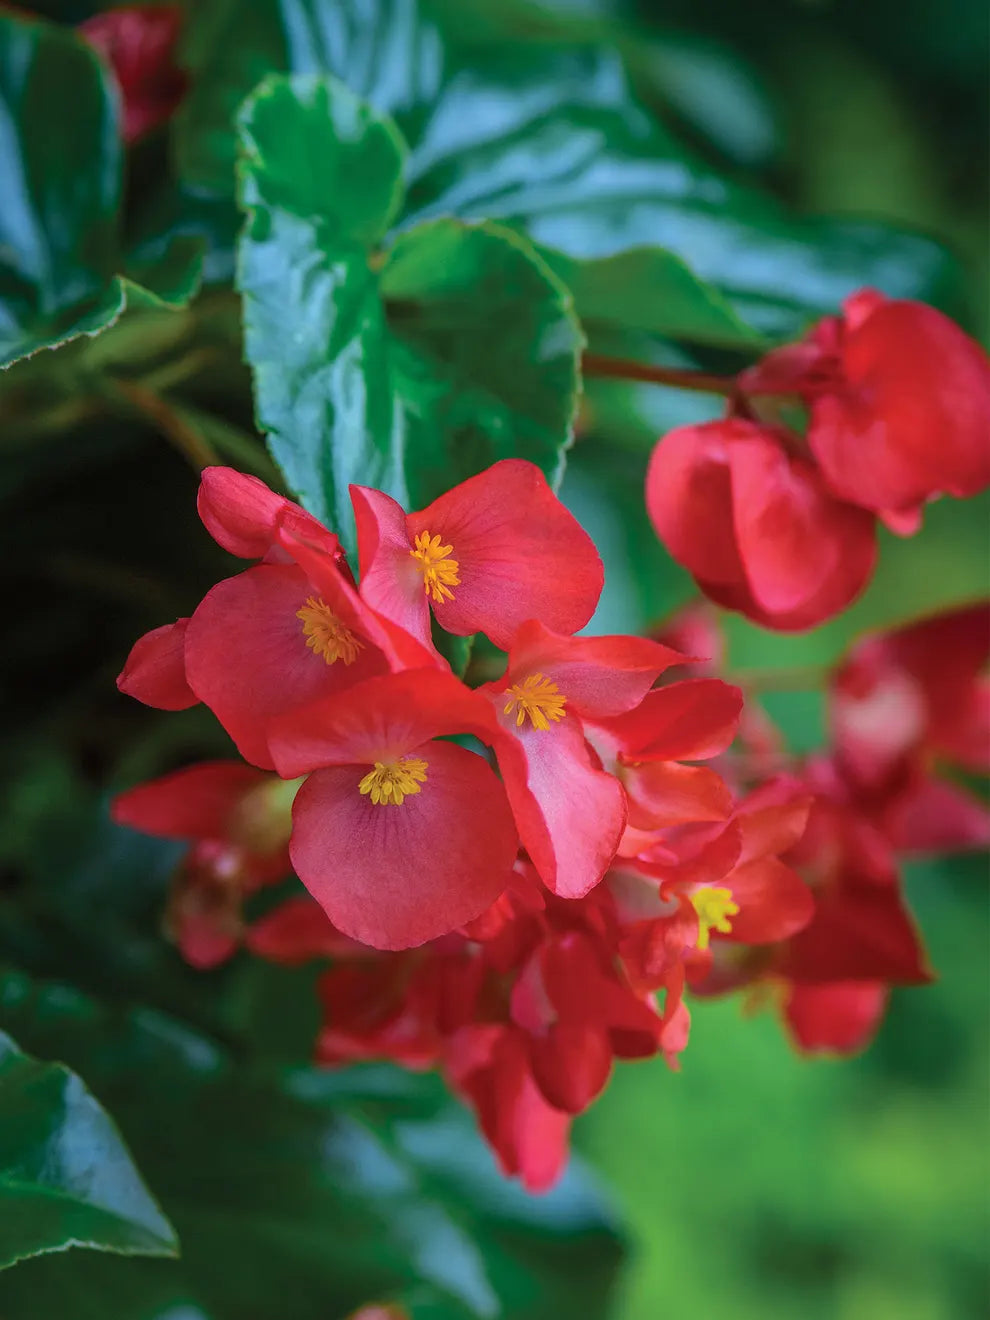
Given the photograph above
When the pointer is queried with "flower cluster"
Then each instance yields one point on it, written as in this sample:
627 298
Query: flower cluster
512 880
780 524
909 714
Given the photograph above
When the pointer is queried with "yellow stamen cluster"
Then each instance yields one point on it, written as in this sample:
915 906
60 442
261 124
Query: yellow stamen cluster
391 782
536 697
714 908
439 572
326 635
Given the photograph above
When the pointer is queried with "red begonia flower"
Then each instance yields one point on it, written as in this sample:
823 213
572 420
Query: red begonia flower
919 689
239 820
905 703
907 416
862 929
691 720
493 552
155 670
570 813
271 639
489 1066
399 837
282 633
570 1001
734 879
138 42
370 1012
755 526
246 518
840 1017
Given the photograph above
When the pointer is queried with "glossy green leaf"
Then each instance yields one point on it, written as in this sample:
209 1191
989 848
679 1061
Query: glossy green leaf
407 371
66 1179
167 272
485 351
314 324
328 1189
552 142
389 52
60 166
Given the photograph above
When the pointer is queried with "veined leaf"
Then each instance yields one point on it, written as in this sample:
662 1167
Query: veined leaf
408 369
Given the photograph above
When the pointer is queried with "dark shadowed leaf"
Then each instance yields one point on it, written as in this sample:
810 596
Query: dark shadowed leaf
329 1189
60 163
66 1179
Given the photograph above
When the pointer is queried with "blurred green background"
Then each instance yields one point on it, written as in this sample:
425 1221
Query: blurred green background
754 1184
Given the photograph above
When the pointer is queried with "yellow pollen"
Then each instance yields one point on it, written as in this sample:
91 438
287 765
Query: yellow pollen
536 697
391 782
439 572
714 908
326 635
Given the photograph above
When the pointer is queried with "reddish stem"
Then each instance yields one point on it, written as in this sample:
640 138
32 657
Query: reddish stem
681 378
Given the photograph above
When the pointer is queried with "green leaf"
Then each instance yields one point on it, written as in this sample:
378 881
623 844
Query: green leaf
460 350
487 353
652 290
165 273
66 1179
60 168
551 141
326 1188
313 321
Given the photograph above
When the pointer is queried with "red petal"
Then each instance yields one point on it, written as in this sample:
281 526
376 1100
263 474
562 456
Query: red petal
521 555
298 931
390 581
861 931
597 675
912 421
385 719
243 515
247 657
774 828
783 521
571 1064
490 1067
774 902
195 803
689 498
689 721
400 648
665 793
155 671
842 1016
397 876
570 814
934 817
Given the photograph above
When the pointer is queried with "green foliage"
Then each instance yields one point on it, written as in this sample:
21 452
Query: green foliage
325 1189
406 371
62 253
553 142
60 184
440 201
66 1179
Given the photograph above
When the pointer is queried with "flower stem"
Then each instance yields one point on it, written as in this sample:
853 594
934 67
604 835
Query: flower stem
680 378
